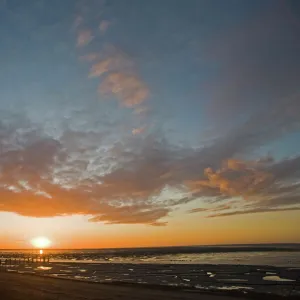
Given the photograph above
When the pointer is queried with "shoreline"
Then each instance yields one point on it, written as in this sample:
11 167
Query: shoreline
34 286
280 258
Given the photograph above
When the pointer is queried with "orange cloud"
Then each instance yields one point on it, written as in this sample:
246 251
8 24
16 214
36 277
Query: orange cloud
53 200
113 61
129 88
236 178
32 184
100 68
119 77
84 38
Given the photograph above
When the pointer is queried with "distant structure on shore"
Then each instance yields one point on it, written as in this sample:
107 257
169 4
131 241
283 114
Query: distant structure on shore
33 258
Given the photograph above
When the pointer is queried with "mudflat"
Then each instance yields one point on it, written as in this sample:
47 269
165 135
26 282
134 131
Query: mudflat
25 287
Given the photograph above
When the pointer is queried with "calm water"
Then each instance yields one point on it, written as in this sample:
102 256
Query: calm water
274 255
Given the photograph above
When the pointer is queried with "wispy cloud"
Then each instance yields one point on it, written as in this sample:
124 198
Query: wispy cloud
84 37
78 21
139 130
253 211
104 25
111 60
128 88
133 215
119 77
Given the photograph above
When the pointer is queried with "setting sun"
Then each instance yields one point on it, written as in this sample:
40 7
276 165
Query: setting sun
41 242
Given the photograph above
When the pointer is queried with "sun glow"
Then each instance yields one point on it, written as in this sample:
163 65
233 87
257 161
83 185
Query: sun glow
41 242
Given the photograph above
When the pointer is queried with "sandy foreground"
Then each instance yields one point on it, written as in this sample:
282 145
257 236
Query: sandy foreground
25 287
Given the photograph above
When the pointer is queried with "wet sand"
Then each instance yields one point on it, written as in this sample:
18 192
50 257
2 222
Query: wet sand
25 287
227 279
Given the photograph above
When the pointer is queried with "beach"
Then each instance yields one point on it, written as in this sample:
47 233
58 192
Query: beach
25 287
231 270
232 280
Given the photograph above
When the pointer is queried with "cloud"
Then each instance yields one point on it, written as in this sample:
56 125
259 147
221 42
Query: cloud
131 183
141 110
84 38
236 178
139 130
33 168
113 62
100 68
264 187
200 209
133 215
286 168
78 21
129 88
118 73
119 78
252 211
221 207
104 25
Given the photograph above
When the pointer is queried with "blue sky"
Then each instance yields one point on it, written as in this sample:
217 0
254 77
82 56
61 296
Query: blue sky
129 112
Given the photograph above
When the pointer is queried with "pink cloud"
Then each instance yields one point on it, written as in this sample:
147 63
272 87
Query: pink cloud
84 38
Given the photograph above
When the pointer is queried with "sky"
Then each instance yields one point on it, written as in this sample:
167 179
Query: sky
149 123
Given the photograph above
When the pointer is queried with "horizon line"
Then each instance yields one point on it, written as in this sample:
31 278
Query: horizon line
152 247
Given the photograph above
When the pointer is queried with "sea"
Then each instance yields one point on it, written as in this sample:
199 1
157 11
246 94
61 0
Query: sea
263 268
259 254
